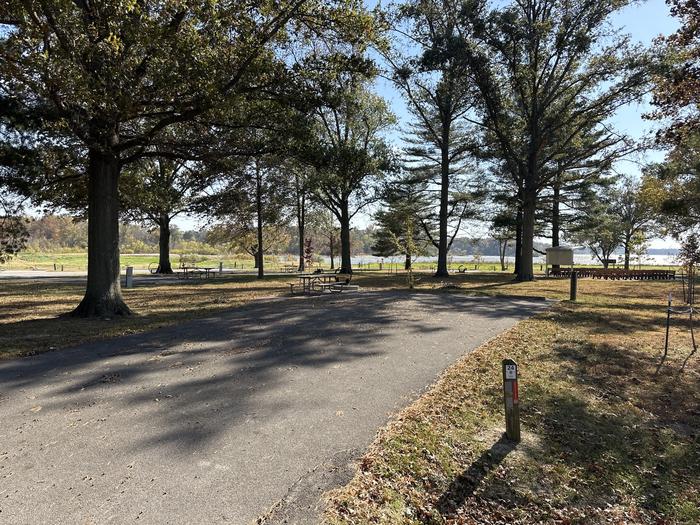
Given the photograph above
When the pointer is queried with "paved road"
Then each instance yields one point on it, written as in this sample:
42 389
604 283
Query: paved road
140 276
222 419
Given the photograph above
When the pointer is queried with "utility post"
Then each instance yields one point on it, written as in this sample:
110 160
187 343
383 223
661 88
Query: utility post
129 277
511 400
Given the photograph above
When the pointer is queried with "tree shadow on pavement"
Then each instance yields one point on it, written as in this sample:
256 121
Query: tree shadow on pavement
190 384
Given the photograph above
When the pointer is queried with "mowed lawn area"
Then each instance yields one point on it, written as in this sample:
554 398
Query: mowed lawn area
606 438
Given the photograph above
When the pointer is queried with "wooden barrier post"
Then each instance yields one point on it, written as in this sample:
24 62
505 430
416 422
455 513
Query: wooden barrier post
511 400
574 285
129 277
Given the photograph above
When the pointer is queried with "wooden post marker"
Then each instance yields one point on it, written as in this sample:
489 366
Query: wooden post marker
574 286
511 400
129 277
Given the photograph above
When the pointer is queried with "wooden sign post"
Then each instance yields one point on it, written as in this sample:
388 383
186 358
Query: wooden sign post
511 399
573 287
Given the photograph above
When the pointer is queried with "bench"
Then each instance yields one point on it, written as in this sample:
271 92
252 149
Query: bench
616 274
342 282
339 287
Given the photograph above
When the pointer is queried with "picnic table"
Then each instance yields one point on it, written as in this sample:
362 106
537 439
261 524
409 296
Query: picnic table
319 282
198 271
311 281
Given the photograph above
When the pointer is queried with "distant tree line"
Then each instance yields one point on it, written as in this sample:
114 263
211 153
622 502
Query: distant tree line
56 234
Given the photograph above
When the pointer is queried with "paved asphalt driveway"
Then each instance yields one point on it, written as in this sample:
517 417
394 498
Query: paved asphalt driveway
223 419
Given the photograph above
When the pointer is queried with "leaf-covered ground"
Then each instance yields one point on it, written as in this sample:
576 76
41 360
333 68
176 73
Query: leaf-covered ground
31 318
606 439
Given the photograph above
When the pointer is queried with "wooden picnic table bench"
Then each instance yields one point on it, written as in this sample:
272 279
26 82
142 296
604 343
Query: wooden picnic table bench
197 271
616 274
319 282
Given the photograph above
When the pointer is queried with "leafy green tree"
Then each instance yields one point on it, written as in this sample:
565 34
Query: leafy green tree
677 103
673 187
399 223
634 206
156 190
433 82
348 152
601 230
115 75
503 229
675 96
322 223
252 198
639 246
571 191
549 74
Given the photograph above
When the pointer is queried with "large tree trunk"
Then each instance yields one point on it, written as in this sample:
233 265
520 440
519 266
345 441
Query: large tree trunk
526 270
301 220
258 209
164 265
345 262
518 239
103 294
628 241
555 217
444 204
408 262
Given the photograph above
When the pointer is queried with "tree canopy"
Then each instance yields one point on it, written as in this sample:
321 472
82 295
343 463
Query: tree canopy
105 80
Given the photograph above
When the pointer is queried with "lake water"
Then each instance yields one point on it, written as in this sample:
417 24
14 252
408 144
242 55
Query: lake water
579 259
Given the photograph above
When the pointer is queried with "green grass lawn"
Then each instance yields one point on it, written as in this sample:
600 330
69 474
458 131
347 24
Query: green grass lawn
78 261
